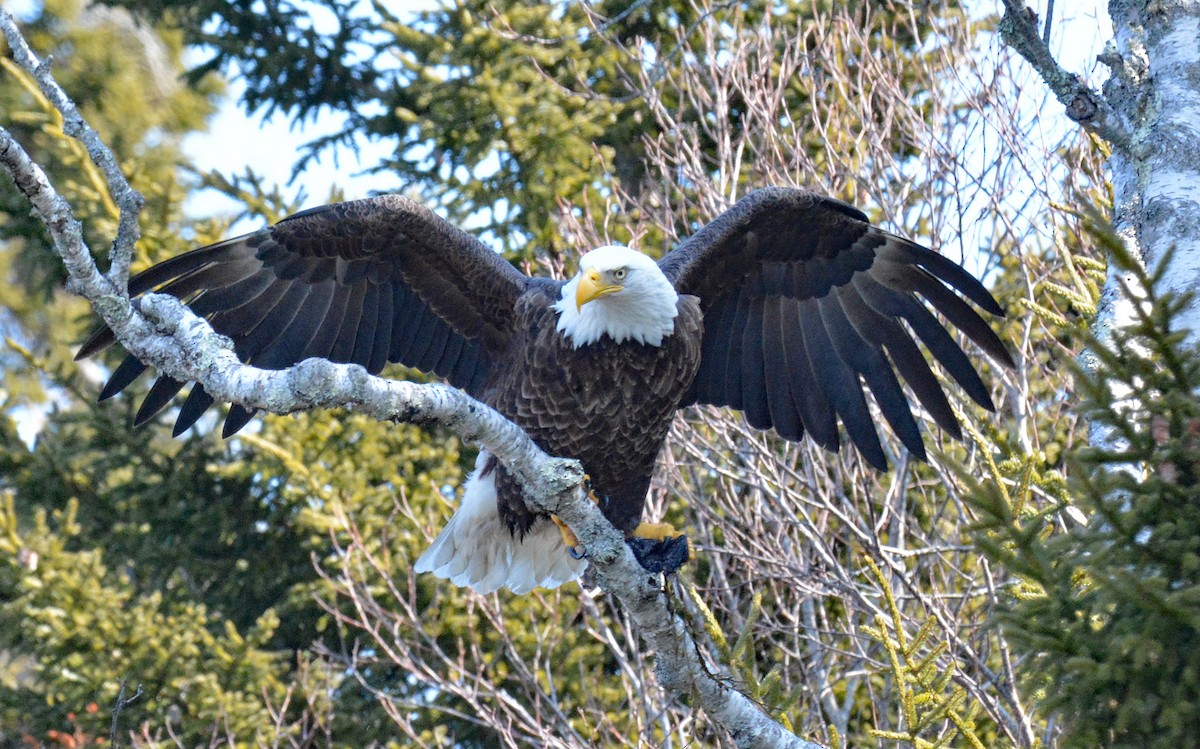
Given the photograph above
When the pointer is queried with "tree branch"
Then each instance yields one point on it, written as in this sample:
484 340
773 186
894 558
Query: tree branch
1019 30
159 330
127 199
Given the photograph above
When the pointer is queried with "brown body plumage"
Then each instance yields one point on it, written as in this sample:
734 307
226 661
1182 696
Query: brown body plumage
607 405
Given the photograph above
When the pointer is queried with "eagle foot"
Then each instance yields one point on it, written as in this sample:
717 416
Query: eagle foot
570 540
658 547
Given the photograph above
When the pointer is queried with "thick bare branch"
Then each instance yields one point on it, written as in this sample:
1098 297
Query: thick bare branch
161 331
1019 29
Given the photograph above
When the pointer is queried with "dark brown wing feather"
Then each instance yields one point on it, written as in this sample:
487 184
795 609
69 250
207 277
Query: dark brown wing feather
803 300
369 281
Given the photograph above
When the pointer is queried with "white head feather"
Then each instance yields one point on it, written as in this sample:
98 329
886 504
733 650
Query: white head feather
642 310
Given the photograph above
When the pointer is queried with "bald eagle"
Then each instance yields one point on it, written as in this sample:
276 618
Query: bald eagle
782 308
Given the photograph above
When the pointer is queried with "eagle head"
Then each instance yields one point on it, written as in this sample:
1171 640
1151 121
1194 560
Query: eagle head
619 293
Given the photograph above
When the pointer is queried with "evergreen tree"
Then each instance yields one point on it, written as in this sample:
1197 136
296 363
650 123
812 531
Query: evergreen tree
1108 611
76 635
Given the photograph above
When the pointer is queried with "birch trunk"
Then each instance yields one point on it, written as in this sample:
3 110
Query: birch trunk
1155 59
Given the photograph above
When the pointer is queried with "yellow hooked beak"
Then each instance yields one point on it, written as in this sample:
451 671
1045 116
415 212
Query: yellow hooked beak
591 287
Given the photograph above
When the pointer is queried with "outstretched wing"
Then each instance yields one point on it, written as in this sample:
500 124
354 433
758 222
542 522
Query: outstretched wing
368 282
802 297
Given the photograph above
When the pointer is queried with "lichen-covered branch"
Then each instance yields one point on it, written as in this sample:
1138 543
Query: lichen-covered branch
1019 30
127 199
162 332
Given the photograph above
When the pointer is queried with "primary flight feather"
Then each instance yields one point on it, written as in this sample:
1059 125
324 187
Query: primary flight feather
782 307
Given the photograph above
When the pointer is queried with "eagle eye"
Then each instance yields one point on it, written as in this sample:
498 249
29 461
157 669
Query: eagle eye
620 273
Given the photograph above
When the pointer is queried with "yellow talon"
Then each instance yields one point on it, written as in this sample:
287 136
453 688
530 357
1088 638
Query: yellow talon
570 540
591 490
568 535
656 531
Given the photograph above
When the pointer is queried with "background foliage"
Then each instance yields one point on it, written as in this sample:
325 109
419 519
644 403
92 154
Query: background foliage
259 591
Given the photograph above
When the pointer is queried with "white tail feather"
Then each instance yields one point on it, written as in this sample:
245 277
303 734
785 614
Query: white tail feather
476 549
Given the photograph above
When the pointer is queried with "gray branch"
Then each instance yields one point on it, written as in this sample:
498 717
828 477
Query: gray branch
1019 30
159 330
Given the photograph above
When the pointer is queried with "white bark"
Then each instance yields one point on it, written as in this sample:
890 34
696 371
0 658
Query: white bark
162 332
1156 177
1155 61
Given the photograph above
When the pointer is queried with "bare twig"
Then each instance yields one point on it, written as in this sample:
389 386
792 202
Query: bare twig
1049 22
119 706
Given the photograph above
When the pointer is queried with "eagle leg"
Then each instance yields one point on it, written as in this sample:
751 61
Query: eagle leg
658 547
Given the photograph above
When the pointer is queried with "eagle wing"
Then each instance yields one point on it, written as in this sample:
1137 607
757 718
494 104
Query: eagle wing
364 282
802 297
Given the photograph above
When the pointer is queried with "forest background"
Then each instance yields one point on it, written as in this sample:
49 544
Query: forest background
257 591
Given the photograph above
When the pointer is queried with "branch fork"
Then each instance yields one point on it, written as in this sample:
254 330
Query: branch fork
1019 29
